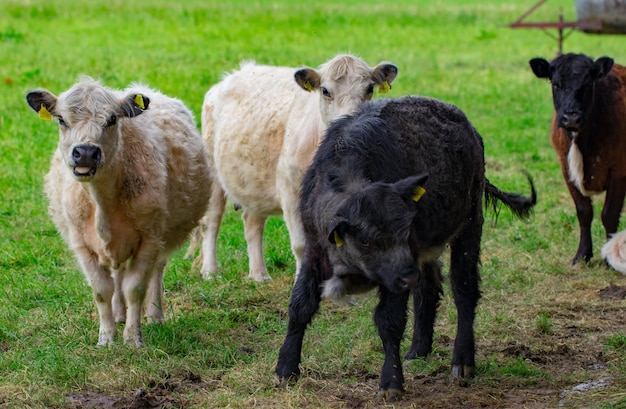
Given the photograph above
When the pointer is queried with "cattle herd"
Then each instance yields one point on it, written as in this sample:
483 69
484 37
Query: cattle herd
371 191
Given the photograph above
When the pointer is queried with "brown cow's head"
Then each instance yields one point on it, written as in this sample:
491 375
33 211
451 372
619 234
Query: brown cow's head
344 83
87 114
573 78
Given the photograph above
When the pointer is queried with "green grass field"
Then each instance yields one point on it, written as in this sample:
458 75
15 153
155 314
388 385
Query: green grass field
542 327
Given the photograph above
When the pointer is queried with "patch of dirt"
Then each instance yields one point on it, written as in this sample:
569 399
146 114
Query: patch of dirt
613 292
164 394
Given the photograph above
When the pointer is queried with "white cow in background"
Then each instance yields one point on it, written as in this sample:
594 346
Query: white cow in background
261 131
128 182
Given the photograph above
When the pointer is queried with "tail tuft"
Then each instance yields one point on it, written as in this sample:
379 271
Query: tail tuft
520 205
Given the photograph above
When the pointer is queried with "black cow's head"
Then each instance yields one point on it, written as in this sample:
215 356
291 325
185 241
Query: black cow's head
573 78
371 233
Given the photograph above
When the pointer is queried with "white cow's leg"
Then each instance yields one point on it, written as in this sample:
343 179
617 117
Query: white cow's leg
213 219
291 215
154 297
119 306
134 286
254 226
102 286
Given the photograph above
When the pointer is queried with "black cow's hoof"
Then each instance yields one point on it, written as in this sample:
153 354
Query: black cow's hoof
284 381
463 371
389 395
415 354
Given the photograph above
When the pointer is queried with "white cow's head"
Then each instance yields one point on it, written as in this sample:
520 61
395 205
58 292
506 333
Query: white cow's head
344 83
88 128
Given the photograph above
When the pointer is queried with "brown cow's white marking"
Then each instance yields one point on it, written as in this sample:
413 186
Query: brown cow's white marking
261 130
127 183
576 169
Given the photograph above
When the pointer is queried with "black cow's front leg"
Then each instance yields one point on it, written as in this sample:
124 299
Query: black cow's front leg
464 281
426 296
390 318
304 303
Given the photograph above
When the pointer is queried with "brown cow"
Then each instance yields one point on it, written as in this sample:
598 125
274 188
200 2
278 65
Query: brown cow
128 181
261 132
588 133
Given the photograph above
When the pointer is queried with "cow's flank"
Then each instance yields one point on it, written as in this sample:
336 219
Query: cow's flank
388 189
128 182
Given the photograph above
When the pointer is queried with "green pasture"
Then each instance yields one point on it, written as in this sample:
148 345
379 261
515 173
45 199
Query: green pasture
219 345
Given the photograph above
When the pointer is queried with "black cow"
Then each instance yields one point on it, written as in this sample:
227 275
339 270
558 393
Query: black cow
588 132
367 225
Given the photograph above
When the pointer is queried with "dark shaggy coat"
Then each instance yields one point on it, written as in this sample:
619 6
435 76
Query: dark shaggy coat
389 188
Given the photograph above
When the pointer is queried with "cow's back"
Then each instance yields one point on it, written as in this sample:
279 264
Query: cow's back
244 121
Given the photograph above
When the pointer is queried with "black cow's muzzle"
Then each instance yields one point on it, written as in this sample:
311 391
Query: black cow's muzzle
405 281
86 158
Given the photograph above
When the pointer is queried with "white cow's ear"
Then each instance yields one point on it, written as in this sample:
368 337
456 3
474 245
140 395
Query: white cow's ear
308 79
383 75
43 102
135 104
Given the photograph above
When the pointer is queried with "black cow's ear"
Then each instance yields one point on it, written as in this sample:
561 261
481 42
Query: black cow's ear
43 102
541 67
601 67
412 189
308 79
337 231
135 104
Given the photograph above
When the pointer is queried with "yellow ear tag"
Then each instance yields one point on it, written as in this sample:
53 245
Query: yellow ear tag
338 240
418 192
139 101
44 113
308 86
384 88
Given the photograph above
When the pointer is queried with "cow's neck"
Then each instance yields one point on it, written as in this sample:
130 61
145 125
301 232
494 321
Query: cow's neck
106 197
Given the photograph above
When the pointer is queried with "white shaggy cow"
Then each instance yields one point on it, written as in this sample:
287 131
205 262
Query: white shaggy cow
261 131
128 182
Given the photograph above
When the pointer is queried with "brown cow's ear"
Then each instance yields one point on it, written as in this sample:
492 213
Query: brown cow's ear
383 75
43 102
308 79
541 67
601 67
135 104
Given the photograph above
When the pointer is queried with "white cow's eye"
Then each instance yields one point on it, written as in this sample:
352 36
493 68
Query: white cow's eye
61 121
325 92
111 121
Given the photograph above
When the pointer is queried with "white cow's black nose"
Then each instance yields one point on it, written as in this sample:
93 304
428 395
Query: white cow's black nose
86 155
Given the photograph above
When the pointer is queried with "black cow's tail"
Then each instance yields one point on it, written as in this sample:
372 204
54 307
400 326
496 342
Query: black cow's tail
520 205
